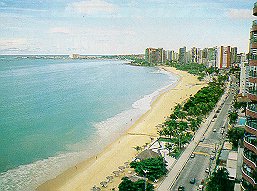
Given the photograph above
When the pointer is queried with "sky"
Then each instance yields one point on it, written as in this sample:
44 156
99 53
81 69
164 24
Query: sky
121 26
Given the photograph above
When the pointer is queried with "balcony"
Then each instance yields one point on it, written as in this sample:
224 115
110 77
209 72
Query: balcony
253 62
249 159
254 26
251 127
255 9
253 59
253 42
246 175
253 73
251 111
252 94
252 79
250 143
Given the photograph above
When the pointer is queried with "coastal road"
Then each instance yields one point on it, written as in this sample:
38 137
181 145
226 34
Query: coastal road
195 167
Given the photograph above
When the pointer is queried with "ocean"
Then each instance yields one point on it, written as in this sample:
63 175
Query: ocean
58 112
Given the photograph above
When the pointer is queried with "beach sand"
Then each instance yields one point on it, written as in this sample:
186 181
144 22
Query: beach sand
95 170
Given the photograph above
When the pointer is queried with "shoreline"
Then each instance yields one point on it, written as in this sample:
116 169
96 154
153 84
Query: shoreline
92 171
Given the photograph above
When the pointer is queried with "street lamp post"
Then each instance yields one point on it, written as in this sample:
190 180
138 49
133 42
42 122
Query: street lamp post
145 171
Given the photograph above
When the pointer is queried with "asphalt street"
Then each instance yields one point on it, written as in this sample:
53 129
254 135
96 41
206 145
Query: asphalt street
196 167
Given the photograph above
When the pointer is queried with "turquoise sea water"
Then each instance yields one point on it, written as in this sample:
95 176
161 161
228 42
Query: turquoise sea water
55 113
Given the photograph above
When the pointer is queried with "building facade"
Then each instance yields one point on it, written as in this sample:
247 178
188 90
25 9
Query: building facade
182 55
233 56
171 55
196 55
223 58
249 168
155 55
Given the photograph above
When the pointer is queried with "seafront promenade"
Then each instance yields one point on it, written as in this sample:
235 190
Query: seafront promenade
95 170
175 171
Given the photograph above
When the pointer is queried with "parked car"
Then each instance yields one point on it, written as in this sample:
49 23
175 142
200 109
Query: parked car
207 170
200 187
192 180
202 139
212 157
214 130
192 155
181 188
212 120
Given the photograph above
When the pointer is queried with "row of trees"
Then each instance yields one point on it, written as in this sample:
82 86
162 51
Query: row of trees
186 118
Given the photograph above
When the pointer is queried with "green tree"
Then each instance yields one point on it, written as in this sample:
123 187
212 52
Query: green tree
156 167
233 117
128 185
235 134
140 185
240 105
219 181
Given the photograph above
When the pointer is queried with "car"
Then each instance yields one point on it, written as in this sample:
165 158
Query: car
207 170
212 120
200 187
212 157
192 155
181 188
214 130
213 151
192 181
222 131
202 139
215 116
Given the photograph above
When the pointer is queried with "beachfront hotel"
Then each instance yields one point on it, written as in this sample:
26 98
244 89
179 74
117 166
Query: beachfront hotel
155 55
249 168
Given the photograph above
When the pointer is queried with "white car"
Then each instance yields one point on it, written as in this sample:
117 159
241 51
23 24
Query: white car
214 130
207 170
200 187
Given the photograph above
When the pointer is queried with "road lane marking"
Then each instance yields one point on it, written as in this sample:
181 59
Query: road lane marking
201 153
212 146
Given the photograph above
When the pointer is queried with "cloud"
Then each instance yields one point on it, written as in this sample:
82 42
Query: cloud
91 7
59 30
239 14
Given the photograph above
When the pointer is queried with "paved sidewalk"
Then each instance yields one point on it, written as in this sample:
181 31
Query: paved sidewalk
181 162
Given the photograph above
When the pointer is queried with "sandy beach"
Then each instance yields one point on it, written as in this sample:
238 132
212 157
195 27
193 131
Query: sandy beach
95 170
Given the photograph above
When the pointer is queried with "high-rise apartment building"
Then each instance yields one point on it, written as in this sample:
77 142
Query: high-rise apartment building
249 168
182 55
155 55
233 56
171 55
223 58
196 55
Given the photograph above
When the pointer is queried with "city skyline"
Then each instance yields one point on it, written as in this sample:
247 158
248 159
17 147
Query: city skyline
127 27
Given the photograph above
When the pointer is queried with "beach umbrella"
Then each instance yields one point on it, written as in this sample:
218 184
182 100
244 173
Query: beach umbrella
109 178
116 173
96 188
103 183
126 164
121 168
